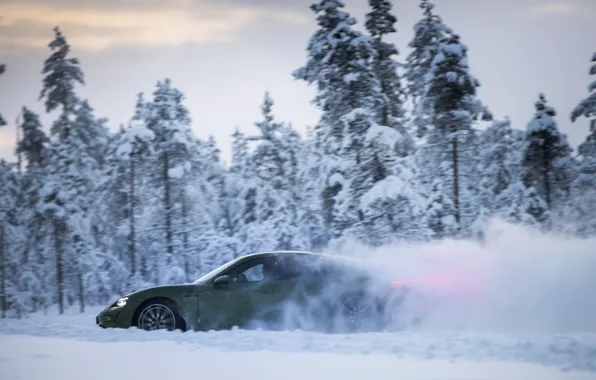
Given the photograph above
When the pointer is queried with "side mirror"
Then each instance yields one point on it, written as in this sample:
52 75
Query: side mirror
221 282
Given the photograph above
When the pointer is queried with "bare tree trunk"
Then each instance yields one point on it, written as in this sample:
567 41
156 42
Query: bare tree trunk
132 238
18 138
3 298
81 292
168 209
58 230
547 190
185 236
545 173
455 163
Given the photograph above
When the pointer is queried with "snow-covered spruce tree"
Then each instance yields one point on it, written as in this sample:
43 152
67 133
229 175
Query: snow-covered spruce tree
137 145
73 194
275 158
242 169
215 212
587 107
10 297
584 187
380 22
128 149
61 74
169 121
340 64
424 46
498 167
522 205
450 99
547 161
33 141
310 217
33 147
91 132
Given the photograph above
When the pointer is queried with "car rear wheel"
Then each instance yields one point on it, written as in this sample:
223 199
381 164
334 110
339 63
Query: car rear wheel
358 314
158 316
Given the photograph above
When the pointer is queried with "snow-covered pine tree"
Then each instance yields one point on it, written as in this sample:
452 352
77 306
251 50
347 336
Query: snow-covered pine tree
428 32
380 22
340 64
138 144
450 99
240 155
9 260
547 163
33 141
91 132
169 121
242 169
522 205
129 148
275 158
584 187
33 147
587 107
498 166
311 219
72 200
61 74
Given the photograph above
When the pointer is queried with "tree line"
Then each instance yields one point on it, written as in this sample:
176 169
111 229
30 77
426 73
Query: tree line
404 151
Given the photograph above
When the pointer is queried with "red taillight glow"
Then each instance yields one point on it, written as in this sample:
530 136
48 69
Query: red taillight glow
430 280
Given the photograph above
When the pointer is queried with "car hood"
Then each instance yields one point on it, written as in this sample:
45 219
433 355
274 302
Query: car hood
162 291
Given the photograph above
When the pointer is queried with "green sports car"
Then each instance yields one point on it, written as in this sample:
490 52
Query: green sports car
271 290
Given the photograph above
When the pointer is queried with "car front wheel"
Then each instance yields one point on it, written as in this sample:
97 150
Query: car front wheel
159 315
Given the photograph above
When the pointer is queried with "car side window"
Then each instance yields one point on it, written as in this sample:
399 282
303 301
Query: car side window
254 273
251 271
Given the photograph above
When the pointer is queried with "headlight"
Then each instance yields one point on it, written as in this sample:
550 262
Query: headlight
121 301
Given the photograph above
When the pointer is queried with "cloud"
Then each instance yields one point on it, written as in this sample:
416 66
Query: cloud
101 24
7 142
554 8
581 8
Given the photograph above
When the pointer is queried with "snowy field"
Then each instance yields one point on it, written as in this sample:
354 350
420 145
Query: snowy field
532 315
72 347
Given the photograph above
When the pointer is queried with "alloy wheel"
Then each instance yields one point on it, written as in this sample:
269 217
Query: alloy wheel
157 317
359 313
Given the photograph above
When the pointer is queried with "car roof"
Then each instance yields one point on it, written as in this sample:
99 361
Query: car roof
280 253
333 258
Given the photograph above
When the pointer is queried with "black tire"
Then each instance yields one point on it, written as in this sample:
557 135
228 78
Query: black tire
159 314
357 314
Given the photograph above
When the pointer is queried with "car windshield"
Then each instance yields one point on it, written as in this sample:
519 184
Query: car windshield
215 272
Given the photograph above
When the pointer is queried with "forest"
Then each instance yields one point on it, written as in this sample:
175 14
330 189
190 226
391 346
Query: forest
404 151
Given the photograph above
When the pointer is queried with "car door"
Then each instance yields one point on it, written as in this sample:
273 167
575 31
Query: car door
250 295
244 301
295 300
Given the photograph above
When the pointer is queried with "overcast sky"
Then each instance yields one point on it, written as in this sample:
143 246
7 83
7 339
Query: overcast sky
224 54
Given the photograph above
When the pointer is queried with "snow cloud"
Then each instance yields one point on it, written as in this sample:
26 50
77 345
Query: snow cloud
519 280
102 24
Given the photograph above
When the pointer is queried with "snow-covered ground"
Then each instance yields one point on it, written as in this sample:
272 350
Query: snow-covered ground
528 313
28 357
72 347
